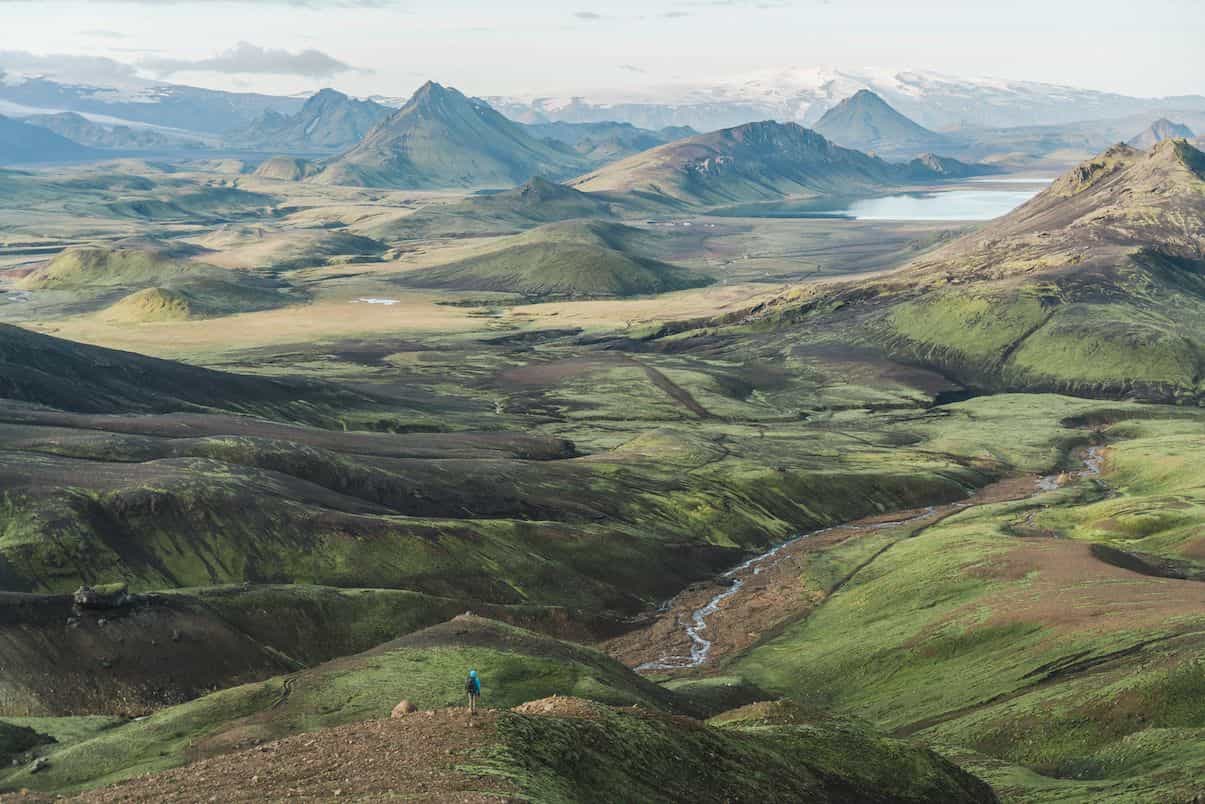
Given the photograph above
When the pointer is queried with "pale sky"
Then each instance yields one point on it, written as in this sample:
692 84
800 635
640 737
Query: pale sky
388 47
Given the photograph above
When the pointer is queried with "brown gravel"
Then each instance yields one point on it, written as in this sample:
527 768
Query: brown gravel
413 758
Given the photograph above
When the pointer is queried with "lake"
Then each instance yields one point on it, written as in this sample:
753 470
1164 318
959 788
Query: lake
960 203
944 205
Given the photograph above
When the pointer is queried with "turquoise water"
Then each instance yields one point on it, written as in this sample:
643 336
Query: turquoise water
945 205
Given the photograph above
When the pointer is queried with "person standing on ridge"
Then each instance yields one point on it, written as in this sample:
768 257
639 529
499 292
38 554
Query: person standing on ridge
472 686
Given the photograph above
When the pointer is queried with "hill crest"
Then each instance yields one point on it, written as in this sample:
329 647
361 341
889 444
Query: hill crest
443 139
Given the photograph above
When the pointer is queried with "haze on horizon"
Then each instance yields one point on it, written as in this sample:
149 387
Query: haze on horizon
389 47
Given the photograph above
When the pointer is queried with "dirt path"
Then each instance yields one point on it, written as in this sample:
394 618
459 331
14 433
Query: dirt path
413 758
726 615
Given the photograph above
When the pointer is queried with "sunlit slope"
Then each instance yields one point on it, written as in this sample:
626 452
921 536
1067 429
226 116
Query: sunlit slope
586 258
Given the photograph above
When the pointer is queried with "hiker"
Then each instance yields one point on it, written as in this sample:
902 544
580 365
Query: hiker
473 687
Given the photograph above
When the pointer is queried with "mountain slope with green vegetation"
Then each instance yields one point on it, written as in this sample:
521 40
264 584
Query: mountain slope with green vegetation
1094 287
49 371
1010 638
426 668
440 138
553 748
563 259
753 162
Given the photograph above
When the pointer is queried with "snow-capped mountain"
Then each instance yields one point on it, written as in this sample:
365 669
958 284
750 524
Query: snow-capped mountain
803 95
133 100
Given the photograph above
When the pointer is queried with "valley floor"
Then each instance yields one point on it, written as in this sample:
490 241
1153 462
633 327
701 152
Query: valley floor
1009 582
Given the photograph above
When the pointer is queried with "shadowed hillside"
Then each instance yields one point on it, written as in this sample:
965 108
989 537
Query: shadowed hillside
22 143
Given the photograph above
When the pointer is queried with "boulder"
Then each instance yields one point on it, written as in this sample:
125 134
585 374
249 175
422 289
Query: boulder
404 708
107 596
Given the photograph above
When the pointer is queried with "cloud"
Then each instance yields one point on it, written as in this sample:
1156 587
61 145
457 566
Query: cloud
675 15
246 58
588 15
96 70
100 33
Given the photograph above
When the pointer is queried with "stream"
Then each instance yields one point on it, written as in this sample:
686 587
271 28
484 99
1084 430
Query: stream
700 646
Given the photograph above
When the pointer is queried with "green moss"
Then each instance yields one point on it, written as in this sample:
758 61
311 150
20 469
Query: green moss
640 757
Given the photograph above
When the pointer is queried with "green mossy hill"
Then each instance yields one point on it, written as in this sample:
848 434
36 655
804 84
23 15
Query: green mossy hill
535 203
754 162
167 284
286 168
1096 287
561 751
151 304
89 266
426 668
565 259
440 138
72 376
1004 633
163 648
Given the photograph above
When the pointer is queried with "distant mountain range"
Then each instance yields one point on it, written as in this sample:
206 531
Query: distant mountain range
1162 129
755 162
172 105
329 121
803 95
83 131
605 142
442 138
23 143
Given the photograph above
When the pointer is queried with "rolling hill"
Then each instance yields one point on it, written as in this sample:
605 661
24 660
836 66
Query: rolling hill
286 168
537 202
1162 129
866 122
441 138
575 258
756 161
329 121
162 283
550 745
24 143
